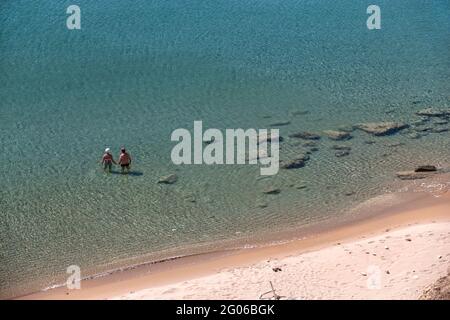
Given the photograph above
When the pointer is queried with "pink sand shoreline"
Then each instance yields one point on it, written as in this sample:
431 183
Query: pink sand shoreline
419 209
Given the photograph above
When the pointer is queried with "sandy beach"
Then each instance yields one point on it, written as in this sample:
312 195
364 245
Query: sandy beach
398 263
393 255
388 266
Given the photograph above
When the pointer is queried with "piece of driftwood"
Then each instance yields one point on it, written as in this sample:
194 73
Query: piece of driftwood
274 296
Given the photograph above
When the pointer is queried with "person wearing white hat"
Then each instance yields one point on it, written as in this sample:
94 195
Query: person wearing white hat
107 160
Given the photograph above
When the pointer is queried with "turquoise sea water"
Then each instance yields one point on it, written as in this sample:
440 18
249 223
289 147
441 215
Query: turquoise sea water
140 69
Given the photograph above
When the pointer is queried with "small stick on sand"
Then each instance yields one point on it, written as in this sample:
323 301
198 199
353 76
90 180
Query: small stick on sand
275 296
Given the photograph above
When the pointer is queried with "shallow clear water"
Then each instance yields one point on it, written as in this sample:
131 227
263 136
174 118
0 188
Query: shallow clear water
140 69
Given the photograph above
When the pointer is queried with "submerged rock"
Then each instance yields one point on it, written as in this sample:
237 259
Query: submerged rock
169 179
422 129
337 135
414 135
299 112
293 164
305 135
190 198
441 122
381 128
342 153
341 147
433 112
426 168
280 123
272 190
298 162
439 130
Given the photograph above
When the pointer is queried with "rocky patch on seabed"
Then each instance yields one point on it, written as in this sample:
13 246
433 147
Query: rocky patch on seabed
431 120
420 172
381 128
337 134
298 162
305 144
434 112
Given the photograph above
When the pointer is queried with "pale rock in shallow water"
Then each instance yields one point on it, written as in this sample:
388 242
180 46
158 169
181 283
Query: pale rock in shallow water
439 130
434 112
272 190
337 135
414 135
381 128
423 129
280 123
169 179
342 153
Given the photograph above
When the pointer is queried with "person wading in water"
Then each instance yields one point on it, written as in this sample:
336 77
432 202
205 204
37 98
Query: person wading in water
124 160
107 160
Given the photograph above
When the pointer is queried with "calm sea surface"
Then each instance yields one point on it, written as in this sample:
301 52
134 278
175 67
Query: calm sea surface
137 70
